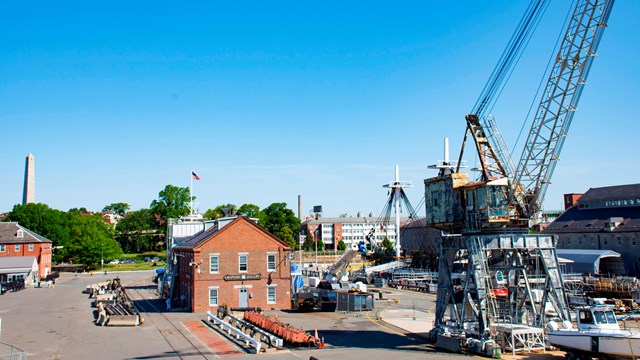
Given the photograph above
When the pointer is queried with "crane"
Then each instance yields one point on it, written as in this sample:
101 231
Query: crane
487 219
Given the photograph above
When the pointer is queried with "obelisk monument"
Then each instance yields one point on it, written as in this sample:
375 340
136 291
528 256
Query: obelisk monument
29 194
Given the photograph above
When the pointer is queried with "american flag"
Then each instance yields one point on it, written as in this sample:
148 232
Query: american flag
194 176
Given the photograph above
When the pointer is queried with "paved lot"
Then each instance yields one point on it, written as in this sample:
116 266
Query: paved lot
57 323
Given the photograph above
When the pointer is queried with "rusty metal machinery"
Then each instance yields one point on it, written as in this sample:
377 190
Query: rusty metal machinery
509 275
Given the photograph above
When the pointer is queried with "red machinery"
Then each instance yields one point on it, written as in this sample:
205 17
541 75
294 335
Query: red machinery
289 334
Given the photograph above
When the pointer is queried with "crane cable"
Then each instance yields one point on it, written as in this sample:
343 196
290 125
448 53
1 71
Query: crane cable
510 56
544 76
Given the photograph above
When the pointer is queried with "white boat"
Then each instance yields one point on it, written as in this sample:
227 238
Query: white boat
597 335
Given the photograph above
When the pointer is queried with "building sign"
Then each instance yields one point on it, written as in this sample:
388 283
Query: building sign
241 277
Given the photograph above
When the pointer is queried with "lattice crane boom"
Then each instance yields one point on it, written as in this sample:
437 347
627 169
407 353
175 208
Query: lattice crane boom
559 102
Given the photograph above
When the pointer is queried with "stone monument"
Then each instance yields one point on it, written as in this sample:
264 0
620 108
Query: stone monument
29 194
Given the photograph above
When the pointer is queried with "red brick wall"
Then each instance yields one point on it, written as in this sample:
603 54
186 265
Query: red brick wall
337 235
41 251
235 238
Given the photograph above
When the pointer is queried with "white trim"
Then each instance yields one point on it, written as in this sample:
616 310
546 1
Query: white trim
242 286
210 257
275 262
275 294
217 289
246 255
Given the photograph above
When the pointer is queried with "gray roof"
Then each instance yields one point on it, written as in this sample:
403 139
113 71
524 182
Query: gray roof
16 264
592 261
617 192
577 220
9 234
204 235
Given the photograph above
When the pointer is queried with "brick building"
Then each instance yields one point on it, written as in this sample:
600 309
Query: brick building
235 263
17 241
351 230
606 218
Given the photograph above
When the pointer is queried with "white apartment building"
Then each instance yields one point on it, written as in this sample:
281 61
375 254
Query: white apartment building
351 230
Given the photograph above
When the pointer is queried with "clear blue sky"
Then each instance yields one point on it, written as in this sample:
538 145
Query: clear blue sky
266 101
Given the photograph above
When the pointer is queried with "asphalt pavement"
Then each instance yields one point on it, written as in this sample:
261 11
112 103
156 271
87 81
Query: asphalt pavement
57 323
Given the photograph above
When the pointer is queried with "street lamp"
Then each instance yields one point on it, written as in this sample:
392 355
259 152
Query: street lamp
102 258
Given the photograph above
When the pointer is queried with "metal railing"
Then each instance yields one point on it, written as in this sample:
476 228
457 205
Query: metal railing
249 341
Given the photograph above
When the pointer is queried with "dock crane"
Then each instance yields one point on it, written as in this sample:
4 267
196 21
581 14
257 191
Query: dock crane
485 221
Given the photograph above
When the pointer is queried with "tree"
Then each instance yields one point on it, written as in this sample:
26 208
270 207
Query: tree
219 211
119 208
51 223
387 244
137 232
281 222
91 240
320 245
309 243
249 210
172 202
343 215
342 245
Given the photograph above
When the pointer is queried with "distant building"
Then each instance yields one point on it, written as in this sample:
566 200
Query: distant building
571 199
606 218
233 262
110 217
19 242
351 230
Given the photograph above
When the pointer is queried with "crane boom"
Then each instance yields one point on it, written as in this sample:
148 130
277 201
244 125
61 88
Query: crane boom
559 102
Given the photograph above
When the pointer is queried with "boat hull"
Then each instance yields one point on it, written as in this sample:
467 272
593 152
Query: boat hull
619 344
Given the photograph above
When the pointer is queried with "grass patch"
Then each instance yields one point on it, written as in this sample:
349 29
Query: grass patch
132 267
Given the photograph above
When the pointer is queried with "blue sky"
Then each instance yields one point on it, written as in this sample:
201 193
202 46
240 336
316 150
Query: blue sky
268 101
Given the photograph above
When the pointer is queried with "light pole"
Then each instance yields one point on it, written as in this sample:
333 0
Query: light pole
102 258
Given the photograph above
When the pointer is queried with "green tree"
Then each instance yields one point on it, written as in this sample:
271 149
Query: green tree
342 245
320 244
218 211
137 232
119 208
387 244
172 202
82 210
51 223
91 239
309 243
249 210
281 222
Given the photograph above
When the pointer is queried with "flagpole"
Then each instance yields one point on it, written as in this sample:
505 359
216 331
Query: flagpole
191 194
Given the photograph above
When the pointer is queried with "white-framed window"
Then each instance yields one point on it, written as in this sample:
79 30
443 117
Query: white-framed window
243 262
271 294
214 263
20 234
2 248
30 247
213 295
271 262
17 247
